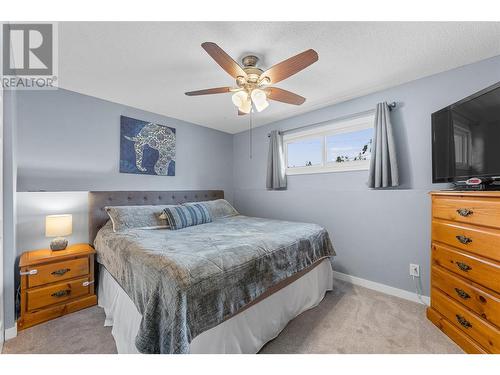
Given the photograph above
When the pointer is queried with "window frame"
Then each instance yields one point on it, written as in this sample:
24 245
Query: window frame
322 131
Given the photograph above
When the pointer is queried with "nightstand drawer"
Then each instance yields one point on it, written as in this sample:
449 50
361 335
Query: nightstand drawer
486 334
54 272
476 269
56 293
484 302
478 240
470 210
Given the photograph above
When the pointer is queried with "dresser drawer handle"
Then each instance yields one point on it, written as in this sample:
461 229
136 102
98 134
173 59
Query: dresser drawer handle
61 293
463 322
463 239
30 272
464 212
87 283
462 294
61 272
464 267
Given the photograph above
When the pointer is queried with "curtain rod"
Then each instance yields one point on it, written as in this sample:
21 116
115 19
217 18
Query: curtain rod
391 106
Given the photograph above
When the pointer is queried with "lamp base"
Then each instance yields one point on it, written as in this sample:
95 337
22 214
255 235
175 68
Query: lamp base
58 243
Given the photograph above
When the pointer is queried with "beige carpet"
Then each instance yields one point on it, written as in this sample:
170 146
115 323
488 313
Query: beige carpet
349 320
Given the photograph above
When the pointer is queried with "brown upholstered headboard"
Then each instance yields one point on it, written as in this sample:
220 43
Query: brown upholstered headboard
100 199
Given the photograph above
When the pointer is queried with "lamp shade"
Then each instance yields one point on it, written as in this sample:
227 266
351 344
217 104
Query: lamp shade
58 225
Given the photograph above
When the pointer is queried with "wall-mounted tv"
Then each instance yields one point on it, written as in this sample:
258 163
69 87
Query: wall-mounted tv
466 138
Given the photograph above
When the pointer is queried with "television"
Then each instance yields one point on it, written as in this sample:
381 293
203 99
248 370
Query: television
466 139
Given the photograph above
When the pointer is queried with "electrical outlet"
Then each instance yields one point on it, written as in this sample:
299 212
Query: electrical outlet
414 270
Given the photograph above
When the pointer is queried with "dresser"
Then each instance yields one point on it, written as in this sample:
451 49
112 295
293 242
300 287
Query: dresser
55 283
465 268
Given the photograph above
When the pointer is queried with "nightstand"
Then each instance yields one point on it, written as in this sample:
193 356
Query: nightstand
55 283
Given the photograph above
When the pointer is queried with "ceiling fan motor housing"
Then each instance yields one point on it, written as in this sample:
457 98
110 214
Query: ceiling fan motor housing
250 68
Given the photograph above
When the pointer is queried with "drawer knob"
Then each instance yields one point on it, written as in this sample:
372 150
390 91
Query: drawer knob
464 267
463 322
61 272
61 293
462 294
464 240
464 212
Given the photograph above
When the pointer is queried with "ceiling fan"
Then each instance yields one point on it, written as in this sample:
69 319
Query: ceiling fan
252 83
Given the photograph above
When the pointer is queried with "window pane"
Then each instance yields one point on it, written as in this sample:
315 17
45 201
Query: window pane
305 153
350 146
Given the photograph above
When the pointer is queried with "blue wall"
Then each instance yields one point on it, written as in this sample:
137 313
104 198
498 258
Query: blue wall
376 234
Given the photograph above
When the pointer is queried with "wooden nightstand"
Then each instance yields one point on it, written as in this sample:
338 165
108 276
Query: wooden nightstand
55 283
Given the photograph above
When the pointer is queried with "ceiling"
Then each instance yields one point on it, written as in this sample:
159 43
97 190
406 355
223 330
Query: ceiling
149 65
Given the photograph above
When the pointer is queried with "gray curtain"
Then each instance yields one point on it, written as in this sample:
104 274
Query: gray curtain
384 162
276 177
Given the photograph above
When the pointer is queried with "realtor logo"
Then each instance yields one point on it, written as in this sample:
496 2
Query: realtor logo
28 56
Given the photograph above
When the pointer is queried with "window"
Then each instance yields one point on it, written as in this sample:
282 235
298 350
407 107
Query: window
463 145
331 147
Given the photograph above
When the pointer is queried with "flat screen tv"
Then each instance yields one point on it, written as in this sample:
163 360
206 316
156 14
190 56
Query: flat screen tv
466 138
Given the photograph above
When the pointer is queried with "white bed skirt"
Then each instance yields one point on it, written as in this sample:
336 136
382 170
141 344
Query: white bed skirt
246 332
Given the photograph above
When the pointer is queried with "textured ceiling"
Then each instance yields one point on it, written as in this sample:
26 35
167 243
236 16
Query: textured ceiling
149 65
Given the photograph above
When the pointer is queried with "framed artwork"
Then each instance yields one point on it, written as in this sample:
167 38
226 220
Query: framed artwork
146 147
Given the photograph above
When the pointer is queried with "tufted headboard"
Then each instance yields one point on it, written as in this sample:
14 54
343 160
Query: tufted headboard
100 199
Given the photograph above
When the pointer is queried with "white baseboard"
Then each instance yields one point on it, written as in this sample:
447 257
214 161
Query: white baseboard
10 333
401 293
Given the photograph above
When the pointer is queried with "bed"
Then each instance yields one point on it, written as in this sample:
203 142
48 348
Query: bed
228 286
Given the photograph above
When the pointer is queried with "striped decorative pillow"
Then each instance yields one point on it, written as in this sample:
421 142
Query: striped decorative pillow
180 217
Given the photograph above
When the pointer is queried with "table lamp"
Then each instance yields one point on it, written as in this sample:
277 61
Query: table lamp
58 226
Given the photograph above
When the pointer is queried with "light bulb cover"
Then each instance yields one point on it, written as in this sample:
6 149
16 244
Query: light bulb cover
259 98
246 106
239 98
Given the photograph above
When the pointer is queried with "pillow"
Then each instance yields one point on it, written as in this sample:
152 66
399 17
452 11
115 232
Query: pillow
183 216
143 217
219 208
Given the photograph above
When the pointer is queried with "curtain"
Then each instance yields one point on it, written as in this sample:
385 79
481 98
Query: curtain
276 177
384 162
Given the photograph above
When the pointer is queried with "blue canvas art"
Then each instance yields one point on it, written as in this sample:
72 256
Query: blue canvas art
146 147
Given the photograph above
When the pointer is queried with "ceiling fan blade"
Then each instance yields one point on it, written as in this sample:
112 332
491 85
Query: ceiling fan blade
284 96
241 113
290 66
224 60
216 90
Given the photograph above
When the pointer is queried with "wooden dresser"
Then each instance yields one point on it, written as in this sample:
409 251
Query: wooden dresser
465 268
55 283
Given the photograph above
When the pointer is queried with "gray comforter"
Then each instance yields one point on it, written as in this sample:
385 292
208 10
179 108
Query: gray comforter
187 281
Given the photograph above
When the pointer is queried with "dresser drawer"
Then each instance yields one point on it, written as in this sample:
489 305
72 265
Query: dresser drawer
53 272
486 334
471 210
464 341
485 303
478 240
56 293
479 270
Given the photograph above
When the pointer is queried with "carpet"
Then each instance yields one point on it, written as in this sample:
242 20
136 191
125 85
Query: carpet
350 319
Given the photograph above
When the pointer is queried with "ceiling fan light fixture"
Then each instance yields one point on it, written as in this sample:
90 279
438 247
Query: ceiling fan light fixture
259 99
246 106
239 98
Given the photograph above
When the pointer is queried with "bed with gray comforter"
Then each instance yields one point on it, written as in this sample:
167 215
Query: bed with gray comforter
184 282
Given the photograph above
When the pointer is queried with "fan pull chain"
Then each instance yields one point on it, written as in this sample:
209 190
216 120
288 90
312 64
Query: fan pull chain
251 125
